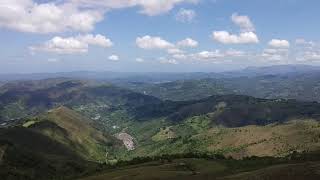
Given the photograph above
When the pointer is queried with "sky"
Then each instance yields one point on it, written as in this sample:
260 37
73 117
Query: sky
156 35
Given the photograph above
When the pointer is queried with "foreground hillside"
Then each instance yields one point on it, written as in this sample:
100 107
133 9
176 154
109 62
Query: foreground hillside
57 144
26 154
73 130
199 168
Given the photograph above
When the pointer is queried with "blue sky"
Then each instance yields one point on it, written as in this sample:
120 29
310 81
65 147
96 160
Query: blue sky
156 35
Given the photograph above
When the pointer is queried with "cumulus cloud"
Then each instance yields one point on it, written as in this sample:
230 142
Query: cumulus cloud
243 22
149 42
98 40
247 35
71 45
62 46
275 54
218 54
175 51
278 43
208 54
70 15
113 58
235 53
227 38
188 42
315 56
29 16
309 56
154 42
148 7
185 15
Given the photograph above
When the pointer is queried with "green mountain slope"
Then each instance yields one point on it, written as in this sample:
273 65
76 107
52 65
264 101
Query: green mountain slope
182 90
58 144
302 86
195 135
105 100
237 110
18 103
26 154
73 130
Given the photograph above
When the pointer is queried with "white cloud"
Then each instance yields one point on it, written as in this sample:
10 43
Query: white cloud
149 42
155 42
275 51
315 56
188 42
243 22
204 55
113 58
175 51
227 38
168 61
185 15
148 7
180 56
275 54
71 15
139 60
29 16
234 53
277 43
274 57
247 35
309 56
71 45
62 46
219 56
98 40
154 7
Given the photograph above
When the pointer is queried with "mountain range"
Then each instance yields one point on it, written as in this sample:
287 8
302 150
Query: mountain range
244 127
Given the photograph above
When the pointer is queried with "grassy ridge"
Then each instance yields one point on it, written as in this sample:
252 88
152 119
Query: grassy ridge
59 144
73 130
26 154
171 167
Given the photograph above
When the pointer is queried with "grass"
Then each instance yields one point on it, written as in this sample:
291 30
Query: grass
191 168
164 134
27 154
73 130
180 168
271 140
